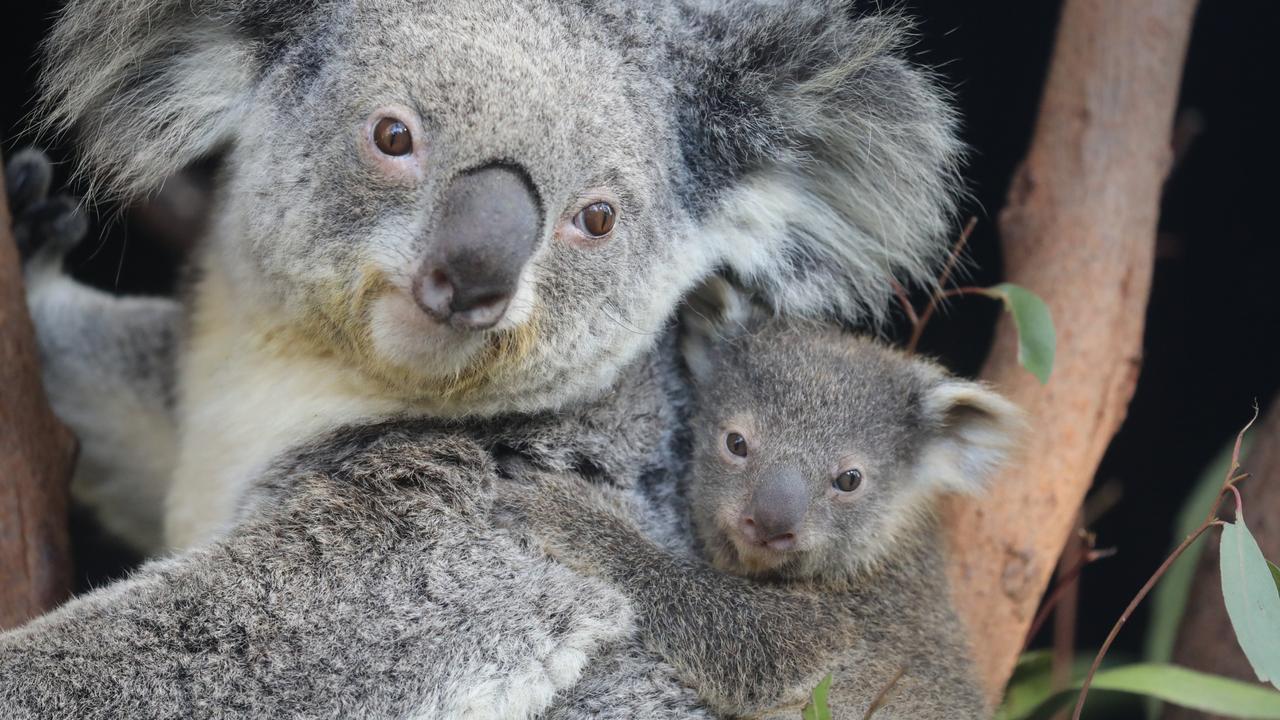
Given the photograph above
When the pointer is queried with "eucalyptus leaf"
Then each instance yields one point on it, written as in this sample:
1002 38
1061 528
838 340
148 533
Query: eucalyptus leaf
1169 599
817 707
1275 574
1037 340
1212 694
1249 589
1207 693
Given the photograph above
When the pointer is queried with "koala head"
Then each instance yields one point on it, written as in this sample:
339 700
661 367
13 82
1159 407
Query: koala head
486 205
818 451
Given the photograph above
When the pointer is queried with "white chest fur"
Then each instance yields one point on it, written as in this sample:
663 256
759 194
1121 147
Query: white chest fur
242 404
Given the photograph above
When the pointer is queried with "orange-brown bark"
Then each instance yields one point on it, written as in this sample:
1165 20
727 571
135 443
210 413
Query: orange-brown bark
1079 229
36 459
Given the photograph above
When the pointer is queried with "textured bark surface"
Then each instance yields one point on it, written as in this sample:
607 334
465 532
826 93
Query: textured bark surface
1205 639
1079 229
36 459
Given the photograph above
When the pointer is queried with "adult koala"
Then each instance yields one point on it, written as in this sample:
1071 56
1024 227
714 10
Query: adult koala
447 233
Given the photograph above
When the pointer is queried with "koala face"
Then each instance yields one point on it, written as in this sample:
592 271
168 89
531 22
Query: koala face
494 205
816 451
464 200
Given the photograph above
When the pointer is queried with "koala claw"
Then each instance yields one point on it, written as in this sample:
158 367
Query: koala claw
28 177
39 220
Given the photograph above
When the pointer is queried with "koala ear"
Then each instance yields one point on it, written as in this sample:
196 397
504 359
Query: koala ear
976 430
714 312
147 87
822 163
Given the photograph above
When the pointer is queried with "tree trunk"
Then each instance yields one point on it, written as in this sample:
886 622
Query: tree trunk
1205 639
1079 229
37 455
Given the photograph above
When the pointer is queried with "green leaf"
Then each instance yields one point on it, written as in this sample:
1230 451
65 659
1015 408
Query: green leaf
817 707
1253 604
1275 574
1210 694
1037 340
1206 693
1169 599
1029 687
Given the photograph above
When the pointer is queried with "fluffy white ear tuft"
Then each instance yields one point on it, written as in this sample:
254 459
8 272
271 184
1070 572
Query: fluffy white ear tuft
822 163
714 312
976 432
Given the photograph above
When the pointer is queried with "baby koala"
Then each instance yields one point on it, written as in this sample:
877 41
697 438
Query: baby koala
818 459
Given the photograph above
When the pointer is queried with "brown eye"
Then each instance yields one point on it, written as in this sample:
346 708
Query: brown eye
596 219
393 137
848 481
736 444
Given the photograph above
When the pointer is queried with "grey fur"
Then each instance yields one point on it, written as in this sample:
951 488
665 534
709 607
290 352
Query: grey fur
108 362
790 146
787 142
366 580
863 594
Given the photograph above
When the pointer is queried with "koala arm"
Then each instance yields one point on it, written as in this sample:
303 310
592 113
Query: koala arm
746 647
108 362
366 580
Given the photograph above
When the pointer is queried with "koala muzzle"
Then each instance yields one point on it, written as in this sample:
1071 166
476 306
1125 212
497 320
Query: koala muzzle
776 512
486 232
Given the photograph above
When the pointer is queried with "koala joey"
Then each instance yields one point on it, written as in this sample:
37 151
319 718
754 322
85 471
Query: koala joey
460 209
818 457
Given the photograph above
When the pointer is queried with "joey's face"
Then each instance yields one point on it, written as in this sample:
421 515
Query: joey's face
464 202
806 457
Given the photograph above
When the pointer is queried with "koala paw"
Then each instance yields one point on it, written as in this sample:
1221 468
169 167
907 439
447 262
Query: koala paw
567 518
40 221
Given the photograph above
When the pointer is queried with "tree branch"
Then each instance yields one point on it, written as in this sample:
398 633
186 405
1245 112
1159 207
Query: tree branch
37 455
1079 230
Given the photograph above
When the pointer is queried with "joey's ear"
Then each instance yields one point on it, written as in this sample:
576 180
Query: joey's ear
146 87
715 312
823 164
976 430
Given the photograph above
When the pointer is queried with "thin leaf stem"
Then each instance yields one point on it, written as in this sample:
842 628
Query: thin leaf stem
905 302
1239 502
1133 605
883 697
969 290
1064 582
918 324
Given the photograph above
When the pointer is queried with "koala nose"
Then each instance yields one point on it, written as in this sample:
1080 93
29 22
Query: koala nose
777 510
487 229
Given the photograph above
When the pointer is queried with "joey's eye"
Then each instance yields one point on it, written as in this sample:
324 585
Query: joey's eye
848 481
392 137
736 444
596 219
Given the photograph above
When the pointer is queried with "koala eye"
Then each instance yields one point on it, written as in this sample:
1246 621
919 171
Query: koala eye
392 137
596 219
736 444
848 481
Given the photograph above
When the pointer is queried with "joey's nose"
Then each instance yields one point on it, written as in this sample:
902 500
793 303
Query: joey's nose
487 229
777 511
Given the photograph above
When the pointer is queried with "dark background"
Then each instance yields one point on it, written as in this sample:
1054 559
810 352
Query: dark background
1215 305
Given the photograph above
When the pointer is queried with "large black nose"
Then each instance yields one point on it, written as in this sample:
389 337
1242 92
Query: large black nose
487 229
